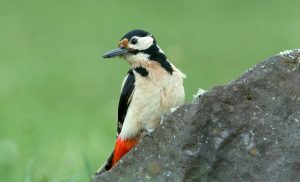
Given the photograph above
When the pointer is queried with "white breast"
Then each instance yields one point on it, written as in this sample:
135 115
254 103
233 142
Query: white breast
153 96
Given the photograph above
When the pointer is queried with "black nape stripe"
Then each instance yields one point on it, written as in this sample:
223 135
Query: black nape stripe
160 57
142 71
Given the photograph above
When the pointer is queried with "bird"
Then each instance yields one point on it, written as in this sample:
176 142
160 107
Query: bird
151 88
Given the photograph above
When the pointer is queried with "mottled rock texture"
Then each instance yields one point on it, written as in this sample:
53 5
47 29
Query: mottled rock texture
248 130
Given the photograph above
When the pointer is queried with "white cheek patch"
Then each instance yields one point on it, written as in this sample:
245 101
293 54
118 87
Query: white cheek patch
143 43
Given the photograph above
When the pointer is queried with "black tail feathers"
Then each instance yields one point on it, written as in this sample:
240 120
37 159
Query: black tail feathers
106 166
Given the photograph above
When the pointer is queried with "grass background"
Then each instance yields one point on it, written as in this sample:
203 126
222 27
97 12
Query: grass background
58 97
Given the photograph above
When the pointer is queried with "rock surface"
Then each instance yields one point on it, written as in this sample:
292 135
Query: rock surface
248 130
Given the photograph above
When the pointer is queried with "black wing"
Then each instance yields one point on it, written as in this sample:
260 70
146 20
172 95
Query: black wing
125 98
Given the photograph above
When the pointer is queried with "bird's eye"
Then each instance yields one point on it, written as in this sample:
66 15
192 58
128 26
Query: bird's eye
133 41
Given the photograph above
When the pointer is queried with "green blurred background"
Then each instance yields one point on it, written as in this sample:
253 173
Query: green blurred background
58 97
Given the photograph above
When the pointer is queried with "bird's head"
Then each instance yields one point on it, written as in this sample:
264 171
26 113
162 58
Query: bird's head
136 45
139 47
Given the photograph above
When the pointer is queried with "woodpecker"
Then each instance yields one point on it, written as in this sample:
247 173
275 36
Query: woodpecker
152 86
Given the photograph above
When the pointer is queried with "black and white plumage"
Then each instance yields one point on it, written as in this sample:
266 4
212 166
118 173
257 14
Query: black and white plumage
151 88
125 98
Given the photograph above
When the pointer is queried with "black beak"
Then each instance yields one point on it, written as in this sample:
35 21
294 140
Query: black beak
116 52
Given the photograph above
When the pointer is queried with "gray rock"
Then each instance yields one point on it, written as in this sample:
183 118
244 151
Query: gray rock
248 130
